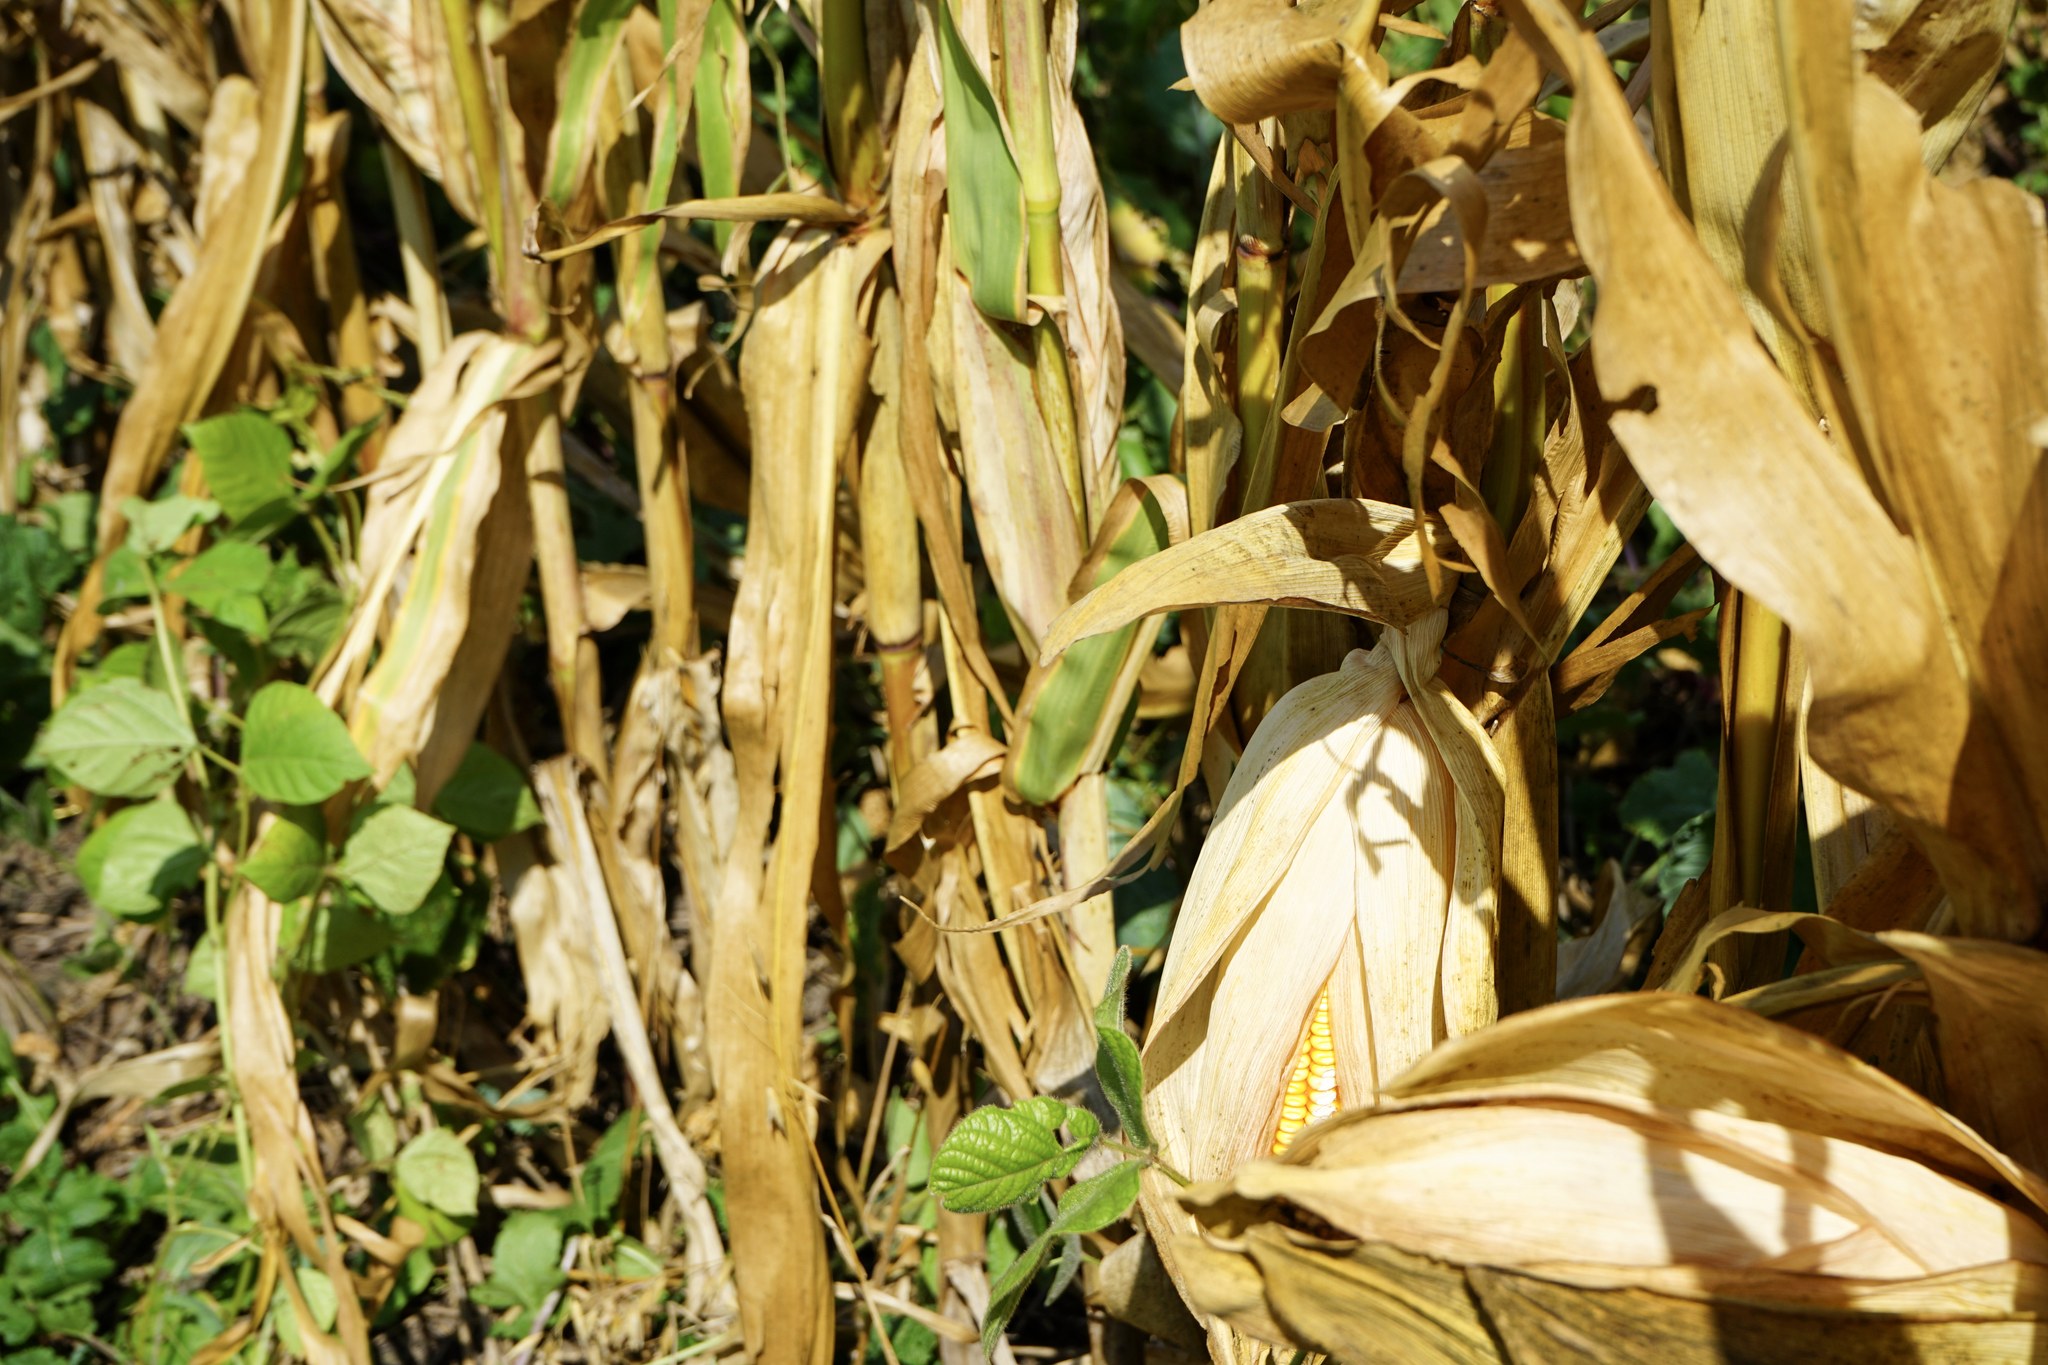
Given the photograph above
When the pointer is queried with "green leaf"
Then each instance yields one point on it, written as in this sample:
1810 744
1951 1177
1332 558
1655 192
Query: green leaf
46 1261
1093 1204
33 566
1008 1291
119 739
1661 801
291 857
1068 1268
395 858
1118 1067
995 1157
526 1262
604 1171
340 935
437 1170
134 863
984 192
318 1291
126 578
226 582
248 462
153 527
593 41
227 570
487 798
295 749
1072 708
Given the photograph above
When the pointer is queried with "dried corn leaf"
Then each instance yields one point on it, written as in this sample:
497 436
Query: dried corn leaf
1351 555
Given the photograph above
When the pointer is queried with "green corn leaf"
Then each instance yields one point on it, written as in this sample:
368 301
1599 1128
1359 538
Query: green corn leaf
119 739
1073 708
984 193
593 41
295 749
720 101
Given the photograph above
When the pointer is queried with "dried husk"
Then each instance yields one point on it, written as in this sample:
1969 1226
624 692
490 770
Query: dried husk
1355 850
1646 1178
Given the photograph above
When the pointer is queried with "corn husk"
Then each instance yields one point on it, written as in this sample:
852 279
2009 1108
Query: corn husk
1637 1178
1355 852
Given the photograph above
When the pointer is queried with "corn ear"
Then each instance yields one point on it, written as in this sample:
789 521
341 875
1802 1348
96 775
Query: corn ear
1644 1173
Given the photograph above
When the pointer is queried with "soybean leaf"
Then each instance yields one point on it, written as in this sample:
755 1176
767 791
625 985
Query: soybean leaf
1008 1290
291 857
153 527
995 1157
296 750
395 857
133 864
487 798
436 1169
1093 1204
340 935
1117 1064
248 462
119 739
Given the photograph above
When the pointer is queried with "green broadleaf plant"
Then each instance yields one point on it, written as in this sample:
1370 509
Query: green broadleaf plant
119 739
295 749
395 857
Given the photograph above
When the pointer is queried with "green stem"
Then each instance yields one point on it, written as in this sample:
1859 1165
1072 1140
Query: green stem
850 132
482 132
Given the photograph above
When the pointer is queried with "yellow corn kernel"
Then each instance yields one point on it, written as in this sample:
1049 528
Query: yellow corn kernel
1311 1094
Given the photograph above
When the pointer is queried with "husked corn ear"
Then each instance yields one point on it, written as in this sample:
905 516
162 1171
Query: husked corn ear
1312 1092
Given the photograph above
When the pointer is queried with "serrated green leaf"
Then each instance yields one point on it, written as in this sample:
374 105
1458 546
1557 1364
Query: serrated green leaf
995 1157
295 749
395 857
119 739
134 863
487 798
437 1170
221 572
291 857
984 191
247 459
153 527
1093 1204
1008 1291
